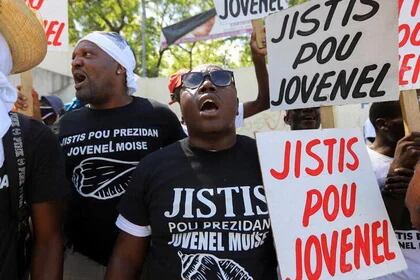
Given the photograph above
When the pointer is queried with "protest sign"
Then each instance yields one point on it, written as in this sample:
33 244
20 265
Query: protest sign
409 43
212 29
55 19
332 53
327 214
230 11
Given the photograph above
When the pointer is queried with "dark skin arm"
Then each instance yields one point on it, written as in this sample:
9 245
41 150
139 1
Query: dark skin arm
48 245
263 99
128 257
412 198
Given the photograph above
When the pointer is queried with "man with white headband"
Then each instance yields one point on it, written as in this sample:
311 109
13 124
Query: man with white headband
103 142
32 179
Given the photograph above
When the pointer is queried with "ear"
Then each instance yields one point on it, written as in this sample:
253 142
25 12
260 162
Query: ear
381 124
120 70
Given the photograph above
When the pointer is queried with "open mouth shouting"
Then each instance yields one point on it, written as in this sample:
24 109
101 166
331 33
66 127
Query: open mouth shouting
208 107
80 79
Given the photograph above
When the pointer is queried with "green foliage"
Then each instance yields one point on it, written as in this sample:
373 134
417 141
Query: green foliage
124 17
296 2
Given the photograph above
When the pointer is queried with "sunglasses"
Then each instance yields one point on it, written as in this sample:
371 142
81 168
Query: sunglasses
219 78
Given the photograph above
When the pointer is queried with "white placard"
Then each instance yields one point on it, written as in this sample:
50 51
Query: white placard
409 42
333 53
328 218
55 18
230 11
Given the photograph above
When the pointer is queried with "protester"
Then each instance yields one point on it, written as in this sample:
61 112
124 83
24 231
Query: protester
103 143
209 182
412 199
31 164
393 157
247 109
299 119
386 117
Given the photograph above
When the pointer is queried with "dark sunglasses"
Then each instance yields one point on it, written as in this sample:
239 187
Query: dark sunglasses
219 78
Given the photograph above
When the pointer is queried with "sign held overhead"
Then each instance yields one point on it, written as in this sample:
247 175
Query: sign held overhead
230 11
332 53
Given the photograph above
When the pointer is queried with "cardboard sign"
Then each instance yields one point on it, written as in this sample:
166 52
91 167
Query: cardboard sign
55 18
409 42
230 11
328 218
332 53
213 29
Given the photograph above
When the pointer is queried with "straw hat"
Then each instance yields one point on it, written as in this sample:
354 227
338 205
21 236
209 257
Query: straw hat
24 34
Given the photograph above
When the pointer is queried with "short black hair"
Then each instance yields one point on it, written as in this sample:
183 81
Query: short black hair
386 110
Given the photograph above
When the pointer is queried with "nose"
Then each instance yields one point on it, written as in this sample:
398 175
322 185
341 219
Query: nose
207 86
76 62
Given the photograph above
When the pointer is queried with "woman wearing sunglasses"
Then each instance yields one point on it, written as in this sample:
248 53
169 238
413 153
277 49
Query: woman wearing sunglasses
246 109
200 201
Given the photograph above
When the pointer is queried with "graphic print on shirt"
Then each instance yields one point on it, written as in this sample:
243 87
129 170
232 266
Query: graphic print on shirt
206 266
108 183
220 221
104 159
4 182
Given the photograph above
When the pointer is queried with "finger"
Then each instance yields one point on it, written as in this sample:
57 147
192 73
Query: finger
34 94
398 191
395 186
404 171
397 181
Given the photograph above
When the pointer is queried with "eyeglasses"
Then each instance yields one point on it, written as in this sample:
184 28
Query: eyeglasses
219 78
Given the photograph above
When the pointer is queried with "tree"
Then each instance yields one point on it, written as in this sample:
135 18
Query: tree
124 17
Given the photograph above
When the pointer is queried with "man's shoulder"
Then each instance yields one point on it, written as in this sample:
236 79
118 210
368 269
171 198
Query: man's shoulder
152 105
75 114
170 152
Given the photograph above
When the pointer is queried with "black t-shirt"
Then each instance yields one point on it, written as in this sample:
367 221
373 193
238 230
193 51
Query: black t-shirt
206 211
102 148
44 181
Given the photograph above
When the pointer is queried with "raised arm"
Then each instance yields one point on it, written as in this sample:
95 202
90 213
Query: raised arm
262 102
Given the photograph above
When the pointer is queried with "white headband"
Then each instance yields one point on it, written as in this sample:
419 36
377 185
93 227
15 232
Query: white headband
116 47
8 93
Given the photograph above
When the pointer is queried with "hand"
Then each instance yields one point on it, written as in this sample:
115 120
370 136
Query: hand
407 152
255 50
21 103
398 180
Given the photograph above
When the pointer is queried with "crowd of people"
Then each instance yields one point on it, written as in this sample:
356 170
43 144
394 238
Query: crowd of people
118 188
